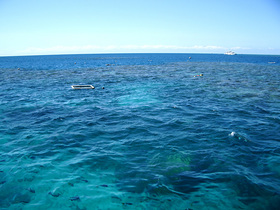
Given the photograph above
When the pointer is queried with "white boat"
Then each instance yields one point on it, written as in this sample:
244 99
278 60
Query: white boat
230 53
82 87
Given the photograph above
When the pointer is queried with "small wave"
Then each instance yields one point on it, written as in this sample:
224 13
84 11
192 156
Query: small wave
239 136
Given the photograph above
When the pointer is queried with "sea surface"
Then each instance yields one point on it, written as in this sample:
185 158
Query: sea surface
159 131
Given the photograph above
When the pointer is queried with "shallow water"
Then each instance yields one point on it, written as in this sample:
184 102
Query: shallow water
156 137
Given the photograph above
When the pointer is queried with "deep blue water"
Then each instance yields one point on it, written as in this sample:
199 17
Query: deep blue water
156 137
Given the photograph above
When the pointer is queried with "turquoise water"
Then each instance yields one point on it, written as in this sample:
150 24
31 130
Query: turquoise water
158 136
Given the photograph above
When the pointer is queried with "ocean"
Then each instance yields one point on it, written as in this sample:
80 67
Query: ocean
159 131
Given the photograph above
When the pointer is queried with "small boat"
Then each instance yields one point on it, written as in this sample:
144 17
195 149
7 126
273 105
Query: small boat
82 87
230 53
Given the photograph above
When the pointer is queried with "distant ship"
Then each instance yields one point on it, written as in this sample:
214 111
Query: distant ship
230 53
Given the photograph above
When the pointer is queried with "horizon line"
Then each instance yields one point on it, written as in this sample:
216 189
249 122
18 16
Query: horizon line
102 53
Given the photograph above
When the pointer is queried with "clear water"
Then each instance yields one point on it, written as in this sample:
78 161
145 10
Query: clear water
156 137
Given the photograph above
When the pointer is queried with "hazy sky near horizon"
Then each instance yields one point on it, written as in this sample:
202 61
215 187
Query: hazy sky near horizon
39 27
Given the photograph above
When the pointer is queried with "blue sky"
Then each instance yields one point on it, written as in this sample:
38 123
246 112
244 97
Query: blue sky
39 27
